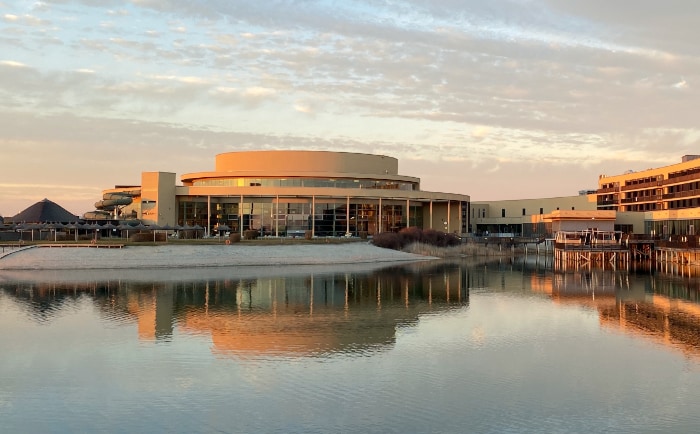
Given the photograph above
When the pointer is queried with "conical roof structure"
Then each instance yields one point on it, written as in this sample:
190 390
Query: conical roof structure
45 211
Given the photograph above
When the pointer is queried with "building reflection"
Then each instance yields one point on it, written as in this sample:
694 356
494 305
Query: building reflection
303 315
321 312
664 309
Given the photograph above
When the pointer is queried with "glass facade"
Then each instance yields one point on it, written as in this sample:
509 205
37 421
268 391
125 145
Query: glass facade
307 182
666 228
294 216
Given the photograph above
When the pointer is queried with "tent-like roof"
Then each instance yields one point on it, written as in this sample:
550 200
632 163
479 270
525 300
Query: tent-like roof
44 211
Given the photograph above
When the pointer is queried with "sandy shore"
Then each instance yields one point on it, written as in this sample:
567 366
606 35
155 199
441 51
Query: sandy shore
169 256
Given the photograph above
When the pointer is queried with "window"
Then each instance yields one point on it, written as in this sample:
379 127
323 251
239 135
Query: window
523 211
503 212
541 211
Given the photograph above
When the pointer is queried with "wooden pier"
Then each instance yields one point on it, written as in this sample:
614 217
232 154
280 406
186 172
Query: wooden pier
576 257
590 247
681 249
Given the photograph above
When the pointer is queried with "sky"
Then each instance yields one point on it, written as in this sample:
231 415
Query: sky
498 99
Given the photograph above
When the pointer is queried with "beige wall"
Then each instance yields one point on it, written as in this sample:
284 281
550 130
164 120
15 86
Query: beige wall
514 209
636 219
306 161
158 204
440 220
567 220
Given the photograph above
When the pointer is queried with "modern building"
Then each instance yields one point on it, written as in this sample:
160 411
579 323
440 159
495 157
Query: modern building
662 201
667 198
527 217
283 193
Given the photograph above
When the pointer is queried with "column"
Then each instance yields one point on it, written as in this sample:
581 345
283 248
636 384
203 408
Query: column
448 215
313 216
408 213
208 215
347 215
277 214
431 215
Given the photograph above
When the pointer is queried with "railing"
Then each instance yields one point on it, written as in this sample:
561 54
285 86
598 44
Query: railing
653 198
679 242
678 179
681 194
642 185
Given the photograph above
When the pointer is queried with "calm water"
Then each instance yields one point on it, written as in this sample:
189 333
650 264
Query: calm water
439 347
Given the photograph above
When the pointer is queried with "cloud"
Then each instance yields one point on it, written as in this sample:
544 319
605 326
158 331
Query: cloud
497 86
12 64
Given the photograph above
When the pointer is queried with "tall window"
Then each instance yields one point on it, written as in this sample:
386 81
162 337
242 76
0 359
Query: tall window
523 211
503 212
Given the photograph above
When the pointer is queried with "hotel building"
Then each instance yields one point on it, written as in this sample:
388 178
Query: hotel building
283 193
668 197
659 202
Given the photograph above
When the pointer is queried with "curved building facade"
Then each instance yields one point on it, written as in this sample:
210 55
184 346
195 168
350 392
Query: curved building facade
282 193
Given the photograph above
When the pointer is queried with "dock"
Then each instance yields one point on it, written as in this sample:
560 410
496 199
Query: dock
590 247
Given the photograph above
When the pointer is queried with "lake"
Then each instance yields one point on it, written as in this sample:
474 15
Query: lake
437 346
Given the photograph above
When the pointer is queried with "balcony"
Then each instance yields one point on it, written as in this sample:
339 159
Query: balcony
603 201
684 178
681 194
642 199
642 185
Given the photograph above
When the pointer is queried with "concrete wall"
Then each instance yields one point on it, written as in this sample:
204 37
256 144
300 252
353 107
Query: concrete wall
490 212
158 204
306 161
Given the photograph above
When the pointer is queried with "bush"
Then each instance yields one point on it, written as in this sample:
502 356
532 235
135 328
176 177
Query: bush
388 240
250 234
412 235
308 235
235 238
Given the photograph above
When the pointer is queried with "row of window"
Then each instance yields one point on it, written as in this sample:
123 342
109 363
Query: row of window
331 219
481 212
307 182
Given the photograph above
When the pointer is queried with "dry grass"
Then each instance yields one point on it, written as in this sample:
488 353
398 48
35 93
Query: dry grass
459 251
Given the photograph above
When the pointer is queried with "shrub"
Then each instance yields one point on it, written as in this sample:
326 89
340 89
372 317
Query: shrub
387 240
250 234
410 235
413 235
235 237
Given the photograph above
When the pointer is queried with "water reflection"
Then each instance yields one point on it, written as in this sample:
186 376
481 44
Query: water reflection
319 312
314 313
508 346
661 305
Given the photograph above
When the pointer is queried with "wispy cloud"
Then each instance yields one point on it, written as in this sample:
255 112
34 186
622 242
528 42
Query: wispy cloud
499 87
